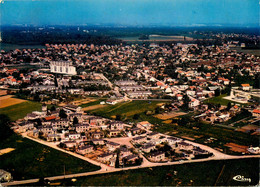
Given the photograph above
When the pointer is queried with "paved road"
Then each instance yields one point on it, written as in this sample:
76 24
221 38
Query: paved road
106 169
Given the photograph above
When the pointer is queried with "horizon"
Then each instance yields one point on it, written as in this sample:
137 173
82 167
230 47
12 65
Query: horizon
131 13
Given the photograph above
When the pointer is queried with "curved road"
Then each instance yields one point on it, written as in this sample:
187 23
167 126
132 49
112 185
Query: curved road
107 169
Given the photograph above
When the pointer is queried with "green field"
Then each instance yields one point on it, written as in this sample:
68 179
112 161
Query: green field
218 100
194 174
92 103
18 111
127 109
33 160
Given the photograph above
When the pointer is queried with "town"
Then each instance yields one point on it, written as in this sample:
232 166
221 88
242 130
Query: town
136 105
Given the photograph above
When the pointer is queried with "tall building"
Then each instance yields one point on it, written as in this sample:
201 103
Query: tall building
63 67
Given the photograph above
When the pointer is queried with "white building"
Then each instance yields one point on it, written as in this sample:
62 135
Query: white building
62 67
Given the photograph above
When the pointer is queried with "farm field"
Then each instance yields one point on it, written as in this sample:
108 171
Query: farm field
182 175
7 100
165 116
33 160
93 107
84 101
20 110
127 109
3 92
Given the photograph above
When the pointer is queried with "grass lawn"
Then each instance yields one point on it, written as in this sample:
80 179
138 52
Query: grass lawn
127 109
218 100
33 160
195 174
18 111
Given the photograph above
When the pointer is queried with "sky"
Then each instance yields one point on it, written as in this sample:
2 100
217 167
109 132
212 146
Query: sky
131 12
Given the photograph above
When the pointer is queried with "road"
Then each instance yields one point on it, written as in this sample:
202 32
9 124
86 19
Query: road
107 169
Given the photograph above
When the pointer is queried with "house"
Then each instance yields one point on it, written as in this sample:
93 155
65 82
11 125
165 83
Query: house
185 146
148 147
131 158
154 135
256 113
254 150
85 149
199 151
245 87
116 125
111 101
124 151
105 157
114 133
5 176
23 127
74 136
194 103
112 145
53 137
69 144
157 156
179 97
98 141
173 140
81 128
96 135
144 125
73 108
139 139
136 130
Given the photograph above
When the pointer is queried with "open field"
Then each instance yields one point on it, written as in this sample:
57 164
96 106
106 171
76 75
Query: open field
91 102
18 111
93 107
6 150
3 92
83 101
33 160
205 131
237 148
248 128
165 116
127 109
219 100
7 100
194 174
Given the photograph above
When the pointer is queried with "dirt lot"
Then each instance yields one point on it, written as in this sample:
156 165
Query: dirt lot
3 92
169 115
237 148
6 150
93 107
247 128
83 101
7 100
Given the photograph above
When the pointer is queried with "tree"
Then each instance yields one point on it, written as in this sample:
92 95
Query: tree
75 120
118 117
62 114
117 161
228 105
217 92
53 108
136 116
5 131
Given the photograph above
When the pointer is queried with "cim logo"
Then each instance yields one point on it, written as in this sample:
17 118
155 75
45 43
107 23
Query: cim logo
241 178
